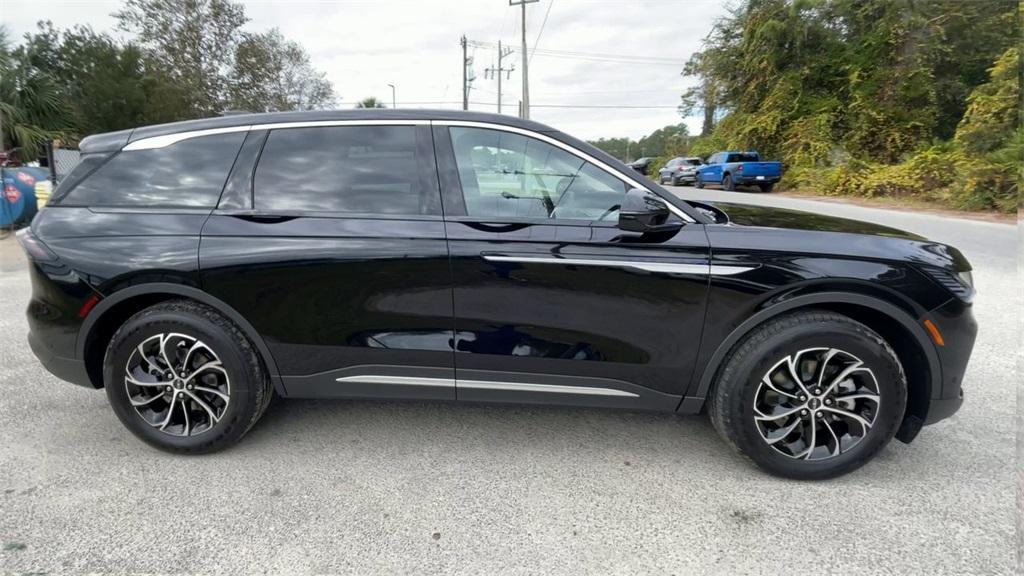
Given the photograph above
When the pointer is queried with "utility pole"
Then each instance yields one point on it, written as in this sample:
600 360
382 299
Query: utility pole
465 65
525 58
394 102
502 52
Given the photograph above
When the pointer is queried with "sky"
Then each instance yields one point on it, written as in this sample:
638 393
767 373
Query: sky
622 53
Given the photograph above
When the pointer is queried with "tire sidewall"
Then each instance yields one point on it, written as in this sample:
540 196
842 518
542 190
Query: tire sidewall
232 425
847 337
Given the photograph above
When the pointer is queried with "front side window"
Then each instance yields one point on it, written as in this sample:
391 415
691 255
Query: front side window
187 174
506 175
345 169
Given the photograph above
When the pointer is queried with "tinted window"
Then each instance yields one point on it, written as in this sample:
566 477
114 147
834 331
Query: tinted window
743 158
505 175
353 169
186 174
693 161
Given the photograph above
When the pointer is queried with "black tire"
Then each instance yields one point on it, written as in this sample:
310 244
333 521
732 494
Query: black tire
249 388
675 181
731 404
766 187
727 183
661 179
698 182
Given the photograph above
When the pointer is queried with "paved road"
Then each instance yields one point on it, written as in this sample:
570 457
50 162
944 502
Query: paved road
368 487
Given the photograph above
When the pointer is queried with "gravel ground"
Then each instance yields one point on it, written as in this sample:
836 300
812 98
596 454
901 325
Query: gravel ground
372 487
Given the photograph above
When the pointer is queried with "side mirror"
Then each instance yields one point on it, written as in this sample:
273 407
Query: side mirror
642 211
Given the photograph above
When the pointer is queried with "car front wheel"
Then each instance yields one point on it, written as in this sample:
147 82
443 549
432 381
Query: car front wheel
698 182
810 395
184 378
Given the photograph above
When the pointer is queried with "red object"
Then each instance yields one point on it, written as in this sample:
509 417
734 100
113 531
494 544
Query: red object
739 168
88 306
11 193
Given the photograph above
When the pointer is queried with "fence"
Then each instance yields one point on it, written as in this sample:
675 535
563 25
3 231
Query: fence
60 160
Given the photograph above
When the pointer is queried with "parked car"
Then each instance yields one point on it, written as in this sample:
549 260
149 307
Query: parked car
679 171
731 169
194 270
641 165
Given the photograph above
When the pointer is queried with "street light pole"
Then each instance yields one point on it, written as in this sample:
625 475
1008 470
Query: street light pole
525 58
393 101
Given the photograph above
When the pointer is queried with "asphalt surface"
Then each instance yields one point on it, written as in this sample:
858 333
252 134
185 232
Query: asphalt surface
373 487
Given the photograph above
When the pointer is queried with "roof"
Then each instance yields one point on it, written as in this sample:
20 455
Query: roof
115 140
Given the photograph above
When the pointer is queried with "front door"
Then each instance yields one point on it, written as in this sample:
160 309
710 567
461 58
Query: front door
333 248
553 303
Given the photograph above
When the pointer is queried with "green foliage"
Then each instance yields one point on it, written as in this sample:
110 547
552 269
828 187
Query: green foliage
993 108
190 42
370 102
31 103
673 139
272 73
863 97
187 59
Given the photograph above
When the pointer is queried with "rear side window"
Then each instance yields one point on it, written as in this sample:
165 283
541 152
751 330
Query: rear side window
187 174
743 158
347 169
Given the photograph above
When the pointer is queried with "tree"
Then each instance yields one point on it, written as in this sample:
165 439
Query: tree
100 80
32 107
272 73
370 102
191 43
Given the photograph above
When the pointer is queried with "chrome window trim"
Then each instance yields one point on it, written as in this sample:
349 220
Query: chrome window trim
169 139
666 267
559 144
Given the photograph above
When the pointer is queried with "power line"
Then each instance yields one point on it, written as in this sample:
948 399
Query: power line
542 24
595 56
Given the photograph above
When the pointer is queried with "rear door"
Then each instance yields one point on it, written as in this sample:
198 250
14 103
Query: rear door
553 303
329 239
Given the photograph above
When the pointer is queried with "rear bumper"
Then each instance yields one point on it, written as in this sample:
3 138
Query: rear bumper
68 369
754 180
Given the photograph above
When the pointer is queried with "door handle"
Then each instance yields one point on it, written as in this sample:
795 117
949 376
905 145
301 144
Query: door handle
264 218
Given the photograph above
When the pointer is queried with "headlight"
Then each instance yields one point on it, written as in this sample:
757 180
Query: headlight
966 277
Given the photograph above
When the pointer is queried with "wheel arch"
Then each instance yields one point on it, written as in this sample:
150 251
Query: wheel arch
112 311
908 339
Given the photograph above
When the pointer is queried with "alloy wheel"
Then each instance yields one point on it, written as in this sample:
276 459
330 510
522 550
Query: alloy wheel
177 384
816 404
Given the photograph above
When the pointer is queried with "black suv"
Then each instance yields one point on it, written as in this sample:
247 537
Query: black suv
196 269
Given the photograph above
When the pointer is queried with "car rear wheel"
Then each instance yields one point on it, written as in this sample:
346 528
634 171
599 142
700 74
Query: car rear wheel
728 184
809 395
185 379
675 181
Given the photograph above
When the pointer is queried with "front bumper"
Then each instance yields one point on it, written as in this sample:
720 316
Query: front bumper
955 321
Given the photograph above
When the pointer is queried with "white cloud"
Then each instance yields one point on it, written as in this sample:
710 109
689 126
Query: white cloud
365 45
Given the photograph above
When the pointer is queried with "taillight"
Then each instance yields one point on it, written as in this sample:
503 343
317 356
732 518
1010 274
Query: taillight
739 168
34 247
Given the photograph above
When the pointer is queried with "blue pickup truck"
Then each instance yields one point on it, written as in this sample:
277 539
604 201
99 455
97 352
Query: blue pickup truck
731 169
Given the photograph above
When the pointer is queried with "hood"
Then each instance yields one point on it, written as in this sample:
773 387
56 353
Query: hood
748 227
768 217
